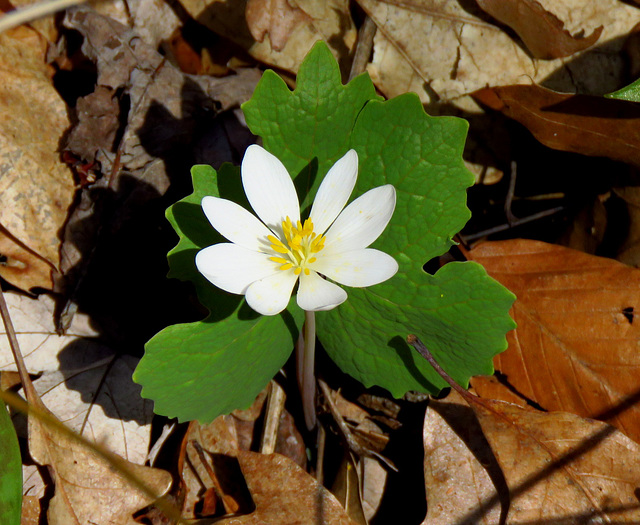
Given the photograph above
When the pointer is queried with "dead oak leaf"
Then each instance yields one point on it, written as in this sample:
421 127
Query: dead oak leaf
575 348
277 18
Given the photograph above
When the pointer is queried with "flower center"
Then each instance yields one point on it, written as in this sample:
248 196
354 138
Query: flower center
299 247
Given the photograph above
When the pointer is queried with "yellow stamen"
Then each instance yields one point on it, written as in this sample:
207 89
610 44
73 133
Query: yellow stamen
299 244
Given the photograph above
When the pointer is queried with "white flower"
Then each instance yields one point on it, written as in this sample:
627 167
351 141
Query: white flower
264 259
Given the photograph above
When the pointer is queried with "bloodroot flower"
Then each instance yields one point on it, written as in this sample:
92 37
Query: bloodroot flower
267 256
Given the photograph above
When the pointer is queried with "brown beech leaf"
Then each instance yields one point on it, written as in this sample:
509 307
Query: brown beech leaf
593 126
575 348
284 493
541 31
561 468
554 467
461 474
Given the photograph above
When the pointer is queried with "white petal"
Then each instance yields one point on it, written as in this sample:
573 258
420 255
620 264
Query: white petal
362 221
334 192
357 268
269 188
233 268
236 224
269 296
316 293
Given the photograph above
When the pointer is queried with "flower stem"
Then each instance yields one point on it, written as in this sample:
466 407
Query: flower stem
306 351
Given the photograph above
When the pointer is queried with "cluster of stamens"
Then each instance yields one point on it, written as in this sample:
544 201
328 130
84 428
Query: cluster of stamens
300 246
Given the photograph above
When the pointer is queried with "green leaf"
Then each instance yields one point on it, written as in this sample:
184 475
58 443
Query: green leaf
11 478
308 129
461 314
630 92
204 369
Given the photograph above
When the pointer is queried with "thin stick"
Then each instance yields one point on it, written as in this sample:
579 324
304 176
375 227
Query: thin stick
29 389
33 12
424 352
363 48
275 407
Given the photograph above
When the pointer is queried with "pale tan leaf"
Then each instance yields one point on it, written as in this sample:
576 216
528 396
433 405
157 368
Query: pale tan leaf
575 348
277 18
455 50
36 187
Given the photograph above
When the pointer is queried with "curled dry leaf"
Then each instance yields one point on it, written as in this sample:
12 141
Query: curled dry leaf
575 348
329 21
582 124
541 31
36 187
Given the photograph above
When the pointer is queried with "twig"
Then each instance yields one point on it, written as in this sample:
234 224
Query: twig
363 48
424 352
497 229
511 218
275 407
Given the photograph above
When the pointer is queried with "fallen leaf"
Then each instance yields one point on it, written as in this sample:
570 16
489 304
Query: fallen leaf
454 50
575 348
461 472
88 488
36 187
83 382
329 21
594 126
284 493
276 18
629 251
587 467
541 467
541 31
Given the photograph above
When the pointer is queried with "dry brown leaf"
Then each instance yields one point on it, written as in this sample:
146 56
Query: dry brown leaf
88 488
36 187
561 468
541 31
554 468
284 493
276 18
575 348
454 51
328 20
594 126
460 471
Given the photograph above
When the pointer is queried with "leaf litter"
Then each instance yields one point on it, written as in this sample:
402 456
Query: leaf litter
109 138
